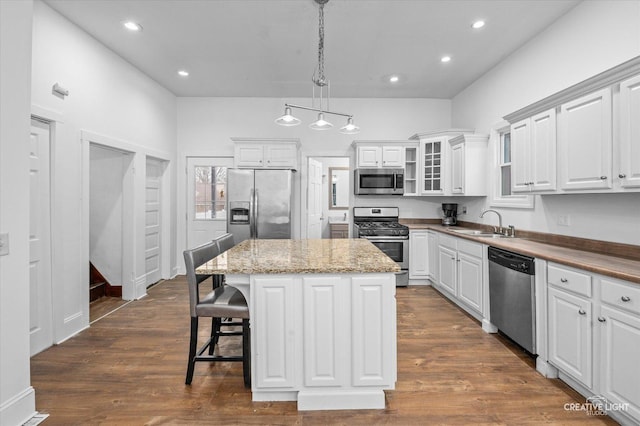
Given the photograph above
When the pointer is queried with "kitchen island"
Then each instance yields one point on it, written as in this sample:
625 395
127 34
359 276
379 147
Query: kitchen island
323 320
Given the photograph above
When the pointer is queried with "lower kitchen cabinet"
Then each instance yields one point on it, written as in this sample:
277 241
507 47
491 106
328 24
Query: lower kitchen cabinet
432 243
418 254
339 230
570 338
460 272
596 340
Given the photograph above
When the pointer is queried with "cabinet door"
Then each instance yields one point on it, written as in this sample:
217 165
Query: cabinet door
457 169
373 331
325 334
470 281
431 166
273 332
369 156
281 156
629 149
447 269
433 256
393 156
570 340
418 254
249 155
543 151
520 157
620 345
584 142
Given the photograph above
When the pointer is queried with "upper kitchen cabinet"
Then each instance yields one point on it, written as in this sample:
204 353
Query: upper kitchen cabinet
585 142
379 154
583 139
533 147
266 153
629 152
468 164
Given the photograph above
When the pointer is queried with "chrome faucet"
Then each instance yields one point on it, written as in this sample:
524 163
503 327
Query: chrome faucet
496 229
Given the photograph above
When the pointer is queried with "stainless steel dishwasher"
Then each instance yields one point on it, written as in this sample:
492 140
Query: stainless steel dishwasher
512 296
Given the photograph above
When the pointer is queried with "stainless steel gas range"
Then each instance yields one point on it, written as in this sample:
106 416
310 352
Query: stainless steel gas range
380 226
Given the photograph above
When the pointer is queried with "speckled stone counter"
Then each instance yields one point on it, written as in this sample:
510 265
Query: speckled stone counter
301 257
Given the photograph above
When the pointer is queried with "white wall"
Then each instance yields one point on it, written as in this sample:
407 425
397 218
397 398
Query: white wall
206 126
17 398
107 97
591 38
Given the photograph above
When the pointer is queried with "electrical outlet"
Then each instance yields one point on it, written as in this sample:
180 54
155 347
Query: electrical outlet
4 244
464 209
563 220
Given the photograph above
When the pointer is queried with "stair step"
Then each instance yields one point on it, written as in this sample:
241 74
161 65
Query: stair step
96 285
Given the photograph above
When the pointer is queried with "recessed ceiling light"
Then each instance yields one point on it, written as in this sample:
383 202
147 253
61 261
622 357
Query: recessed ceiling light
183 73
478 24
445 59
394 79
132 26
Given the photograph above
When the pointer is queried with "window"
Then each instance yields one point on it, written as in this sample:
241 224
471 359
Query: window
210 192
502 195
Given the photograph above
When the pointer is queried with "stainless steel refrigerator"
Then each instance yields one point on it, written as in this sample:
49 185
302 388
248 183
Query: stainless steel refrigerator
259 203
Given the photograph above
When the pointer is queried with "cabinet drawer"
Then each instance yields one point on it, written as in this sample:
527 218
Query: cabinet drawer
569 279
620 294
470 248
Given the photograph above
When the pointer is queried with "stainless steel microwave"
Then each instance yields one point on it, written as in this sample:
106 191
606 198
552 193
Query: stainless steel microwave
379 181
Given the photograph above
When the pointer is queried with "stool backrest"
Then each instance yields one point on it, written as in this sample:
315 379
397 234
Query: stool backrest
225 242
194 258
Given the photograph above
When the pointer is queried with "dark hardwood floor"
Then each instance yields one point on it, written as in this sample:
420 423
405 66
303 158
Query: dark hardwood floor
129 368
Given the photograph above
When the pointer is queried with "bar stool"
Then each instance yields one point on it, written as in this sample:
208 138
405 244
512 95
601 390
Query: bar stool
222 302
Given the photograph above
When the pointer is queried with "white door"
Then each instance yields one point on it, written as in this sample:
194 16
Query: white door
314 200
152 225
629 168
41 319
206 198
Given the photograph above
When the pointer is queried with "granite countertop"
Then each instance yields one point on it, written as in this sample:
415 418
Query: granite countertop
613 266
301 257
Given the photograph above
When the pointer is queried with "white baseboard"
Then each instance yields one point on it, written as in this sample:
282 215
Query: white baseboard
19 409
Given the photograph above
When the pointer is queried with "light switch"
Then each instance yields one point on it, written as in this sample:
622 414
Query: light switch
4 244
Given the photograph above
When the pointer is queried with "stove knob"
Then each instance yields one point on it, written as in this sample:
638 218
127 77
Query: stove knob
523 267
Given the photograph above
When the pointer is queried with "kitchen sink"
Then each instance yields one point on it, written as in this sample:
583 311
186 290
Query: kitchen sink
478 233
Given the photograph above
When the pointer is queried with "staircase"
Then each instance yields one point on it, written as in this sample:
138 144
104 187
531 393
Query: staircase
100 287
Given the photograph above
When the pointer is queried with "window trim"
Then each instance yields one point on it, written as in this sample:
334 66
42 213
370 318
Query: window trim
518 201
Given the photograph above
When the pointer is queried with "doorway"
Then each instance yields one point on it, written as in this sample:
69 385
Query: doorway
40 284
324 189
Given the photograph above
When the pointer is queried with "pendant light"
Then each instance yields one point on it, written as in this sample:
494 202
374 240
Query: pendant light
321 84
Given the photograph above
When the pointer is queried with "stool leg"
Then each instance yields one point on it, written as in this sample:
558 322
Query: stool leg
193 343
246 352
215 333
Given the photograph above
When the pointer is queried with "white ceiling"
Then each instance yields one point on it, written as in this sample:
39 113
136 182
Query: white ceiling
269 48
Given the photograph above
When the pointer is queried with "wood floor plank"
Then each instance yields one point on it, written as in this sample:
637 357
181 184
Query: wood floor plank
129 367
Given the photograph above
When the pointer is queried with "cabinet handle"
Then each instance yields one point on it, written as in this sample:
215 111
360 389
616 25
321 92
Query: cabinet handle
563 280
582 312
602 319
625 298
622 176
603 177
530 183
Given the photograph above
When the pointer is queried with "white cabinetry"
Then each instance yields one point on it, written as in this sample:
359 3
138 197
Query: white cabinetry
533 145
468 164
594 335
629 146
620 344
460 272
418 254
585 142
432 238
411 169
266 154
431 165
375 154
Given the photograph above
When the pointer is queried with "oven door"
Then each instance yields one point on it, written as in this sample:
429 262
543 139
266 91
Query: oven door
397 248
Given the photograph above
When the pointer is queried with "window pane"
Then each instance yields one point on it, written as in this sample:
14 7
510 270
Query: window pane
210 192
506 147
505 172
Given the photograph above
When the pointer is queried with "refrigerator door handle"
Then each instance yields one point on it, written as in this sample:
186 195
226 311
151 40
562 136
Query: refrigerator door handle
255 212
252 216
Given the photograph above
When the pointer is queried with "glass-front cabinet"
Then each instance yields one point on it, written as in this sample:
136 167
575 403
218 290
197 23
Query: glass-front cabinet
431 150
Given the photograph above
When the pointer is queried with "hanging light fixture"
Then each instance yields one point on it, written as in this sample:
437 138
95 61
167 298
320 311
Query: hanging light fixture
321 84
